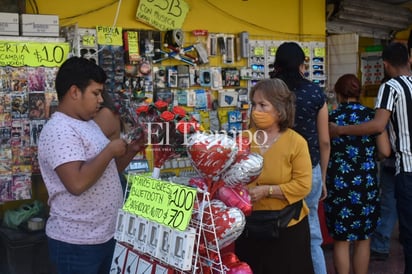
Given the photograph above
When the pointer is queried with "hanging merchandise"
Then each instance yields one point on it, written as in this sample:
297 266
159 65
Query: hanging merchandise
27 100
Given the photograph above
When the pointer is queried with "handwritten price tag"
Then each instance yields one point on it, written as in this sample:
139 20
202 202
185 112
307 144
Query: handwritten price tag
33 54
163 202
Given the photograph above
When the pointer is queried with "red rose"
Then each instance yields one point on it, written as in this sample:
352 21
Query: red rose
161 105
179 111
142 109
187 127
167 116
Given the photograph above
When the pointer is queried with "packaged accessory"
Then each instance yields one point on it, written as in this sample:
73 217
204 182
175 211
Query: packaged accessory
265 224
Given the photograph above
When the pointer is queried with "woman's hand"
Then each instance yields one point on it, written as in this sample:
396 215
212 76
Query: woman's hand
258 192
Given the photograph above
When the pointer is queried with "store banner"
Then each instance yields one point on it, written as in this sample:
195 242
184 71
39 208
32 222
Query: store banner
33 54
167 203
163 15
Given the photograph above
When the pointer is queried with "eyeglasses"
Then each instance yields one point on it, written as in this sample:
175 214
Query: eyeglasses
257 59
258 67
90 54
318 81
258 75
318 72
317 59
85 51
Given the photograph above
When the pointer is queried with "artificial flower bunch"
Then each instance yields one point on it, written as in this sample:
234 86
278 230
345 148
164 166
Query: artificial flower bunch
166 129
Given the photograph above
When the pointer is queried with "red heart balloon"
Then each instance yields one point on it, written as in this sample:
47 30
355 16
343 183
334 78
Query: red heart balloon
245 169
228 223
239 268
211 154
237 196
235 266
229 258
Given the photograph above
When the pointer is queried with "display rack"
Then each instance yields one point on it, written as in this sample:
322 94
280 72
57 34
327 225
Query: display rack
206 256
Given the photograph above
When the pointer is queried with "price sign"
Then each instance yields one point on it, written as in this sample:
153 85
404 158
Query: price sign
259 51
133 46
33 54
167 203
162 14
319 52
111 36
306 50
272 51
88 40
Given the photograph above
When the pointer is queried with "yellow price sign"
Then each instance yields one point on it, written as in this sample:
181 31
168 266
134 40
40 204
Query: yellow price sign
259 51
110 36
306 50
167 203
33 54
319 52
88 40
272 51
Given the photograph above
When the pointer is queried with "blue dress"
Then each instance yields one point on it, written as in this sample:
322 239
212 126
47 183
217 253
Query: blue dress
352 205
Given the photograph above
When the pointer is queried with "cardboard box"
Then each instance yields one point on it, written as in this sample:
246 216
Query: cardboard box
39 25
9 23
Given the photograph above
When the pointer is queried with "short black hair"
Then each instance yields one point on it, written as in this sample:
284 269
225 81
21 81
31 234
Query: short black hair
396 54
77 71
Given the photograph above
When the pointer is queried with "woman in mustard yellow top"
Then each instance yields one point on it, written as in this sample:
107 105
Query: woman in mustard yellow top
285 180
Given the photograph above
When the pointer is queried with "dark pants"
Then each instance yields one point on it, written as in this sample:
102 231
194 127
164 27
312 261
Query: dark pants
288 254
403 194
81 259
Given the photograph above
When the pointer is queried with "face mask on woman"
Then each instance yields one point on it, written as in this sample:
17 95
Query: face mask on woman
263 120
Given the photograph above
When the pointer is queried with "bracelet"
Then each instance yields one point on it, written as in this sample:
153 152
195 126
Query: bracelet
270 190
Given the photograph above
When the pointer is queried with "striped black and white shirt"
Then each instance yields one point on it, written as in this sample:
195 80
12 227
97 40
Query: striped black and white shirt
396 96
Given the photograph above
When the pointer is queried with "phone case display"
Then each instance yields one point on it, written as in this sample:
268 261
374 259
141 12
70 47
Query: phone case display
27 99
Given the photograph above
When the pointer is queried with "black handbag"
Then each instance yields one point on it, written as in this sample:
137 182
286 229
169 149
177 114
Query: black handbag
265 224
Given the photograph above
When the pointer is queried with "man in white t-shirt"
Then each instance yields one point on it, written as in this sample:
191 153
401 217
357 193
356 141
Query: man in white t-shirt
80 166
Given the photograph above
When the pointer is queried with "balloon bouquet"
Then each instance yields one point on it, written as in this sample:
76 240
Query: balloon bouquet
225 166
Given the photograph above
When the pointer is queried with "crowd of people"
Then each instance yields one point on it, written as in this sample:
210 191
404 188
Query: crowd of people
355 159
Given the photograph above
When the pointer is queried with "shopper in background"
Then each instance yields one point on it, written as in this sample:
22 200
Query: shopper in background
393 105
79 166
381 237
312 123
352 205
285 180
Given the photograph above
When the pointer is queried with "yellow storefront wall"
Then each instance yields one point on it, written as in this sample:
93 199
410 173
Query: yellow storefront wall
294 19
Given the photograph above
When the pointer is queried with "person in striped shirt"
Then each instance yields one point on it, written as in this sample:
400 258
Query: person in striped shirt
394 109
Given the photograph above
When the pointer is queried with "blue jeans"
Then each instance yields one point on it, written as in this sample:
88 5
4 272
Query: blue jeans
403 194
81 259
312 200
381 237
